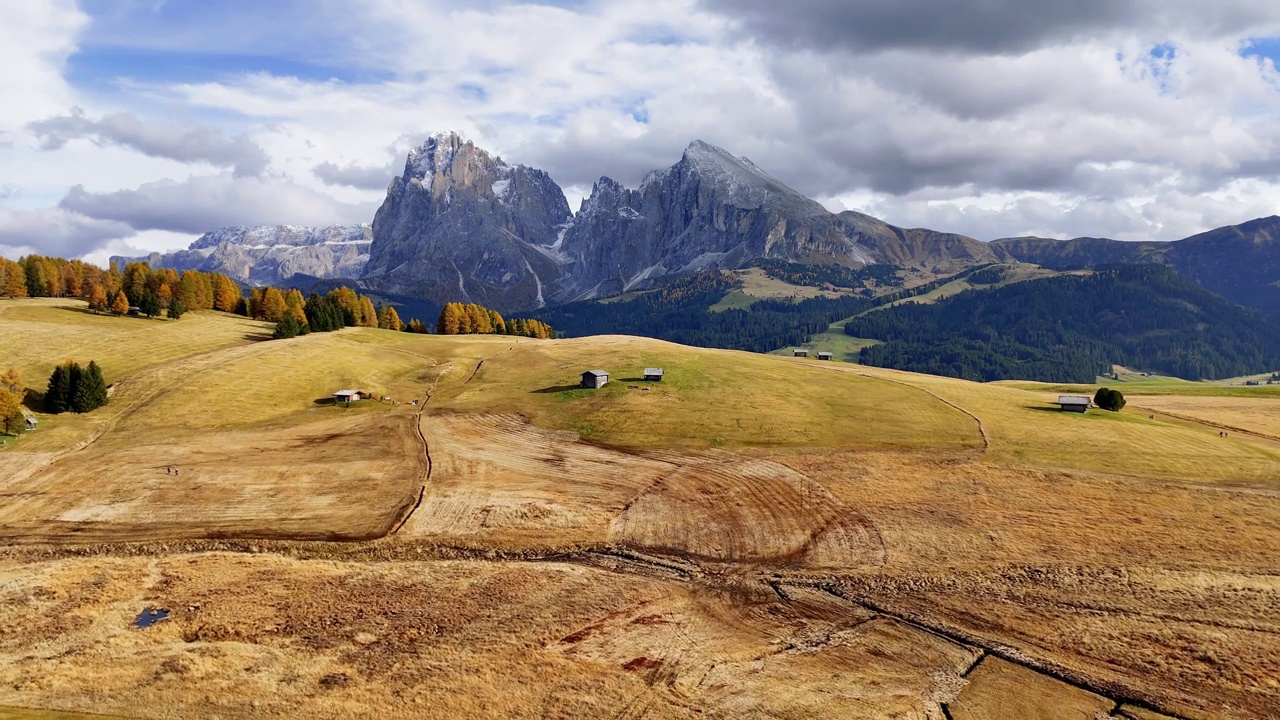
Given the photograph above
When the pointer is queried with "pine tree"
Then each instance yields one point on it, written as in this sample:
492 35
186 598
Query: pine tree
176 309
75 375
293 299
92 388
286 328
90 391
149 305
120 303
57 398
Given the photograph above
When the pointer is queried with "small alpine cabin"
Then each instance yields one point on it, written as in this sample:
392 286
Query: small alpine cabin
347 396
653 374
800 352
1074 403
595 379
824 355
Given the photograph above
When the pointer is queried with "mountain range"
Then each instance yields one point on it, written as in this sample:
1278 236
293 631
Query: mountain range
462 224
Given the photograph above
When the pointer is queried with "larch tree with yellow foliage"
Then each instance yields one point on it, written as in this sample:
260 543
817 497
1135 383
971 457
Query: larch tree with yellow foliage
273 307
120 303
389 319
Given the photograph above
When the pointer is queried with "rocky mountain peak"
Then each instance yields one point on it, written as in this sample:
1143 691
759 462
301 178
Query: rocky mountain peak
742 182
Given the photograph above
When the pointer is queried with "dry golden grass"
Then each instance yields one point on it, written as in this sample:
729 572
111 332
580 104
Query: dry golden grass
1025 428
254 636
709 399
38 333
675 541
1247 414
998 689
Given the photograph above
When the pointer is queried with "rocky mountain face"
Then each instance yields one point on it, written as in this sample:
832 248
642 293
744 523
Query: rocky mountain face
271 254
711 209
460 224
1239 262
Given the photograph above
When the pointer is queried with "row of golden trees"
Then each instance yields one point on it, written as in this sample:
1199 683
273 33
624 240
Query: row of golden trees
464 319
139 285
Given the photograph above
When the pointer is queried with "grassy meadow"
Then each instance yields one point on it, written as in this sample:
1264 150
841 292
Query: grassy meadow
660 549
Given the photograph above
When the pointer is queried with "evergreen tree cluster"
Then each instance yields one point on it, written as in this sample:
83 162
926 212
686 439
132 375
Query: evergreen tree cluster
680 312
830 275
468 319
75 389
1072 328
1109 399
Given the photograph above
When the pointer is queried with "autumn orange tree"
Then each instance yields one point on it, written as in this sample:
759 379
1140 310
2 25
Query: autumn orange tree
13 279
12 393
120 303
389 319
273 307
97 298
459 319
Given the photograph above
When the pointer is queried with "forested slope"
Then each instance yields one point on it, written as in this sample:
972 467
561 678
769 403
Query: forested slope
1070 328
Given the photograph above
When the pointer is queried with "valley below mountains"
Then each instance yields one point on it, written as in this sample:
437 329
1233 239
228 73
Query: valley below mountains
460 224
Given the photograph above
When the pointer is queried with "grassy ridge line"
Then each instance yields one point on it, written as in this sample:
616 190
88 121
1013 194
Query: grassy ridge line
1181 387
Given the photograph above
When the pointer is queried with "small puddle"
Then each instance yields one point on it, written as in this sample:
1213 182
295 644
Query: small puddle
149 616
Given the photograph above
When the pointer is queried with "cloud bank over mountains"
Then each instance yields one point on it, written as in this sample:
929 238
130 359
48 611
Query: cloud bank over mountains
142 125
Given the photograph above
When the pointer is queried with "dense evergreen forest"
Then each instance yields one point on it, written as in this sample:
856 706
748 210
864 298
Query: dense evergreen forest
831 274
679 312
1070 328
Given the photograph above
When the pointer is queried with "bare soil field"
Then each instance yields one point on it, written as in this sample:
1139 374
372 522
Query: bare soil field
753 537
344 478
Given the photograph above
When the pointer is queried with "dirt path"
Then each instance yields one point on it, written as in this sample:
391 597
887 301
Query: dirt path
426 448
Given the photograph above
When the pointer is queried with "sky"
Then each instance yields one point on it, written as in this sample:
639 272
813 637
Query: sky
130 126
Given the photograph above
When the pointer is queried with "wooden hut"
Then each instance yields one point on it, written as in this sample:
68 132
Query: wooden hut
653 374
347 396
800 352
824 355
1074 403
595 379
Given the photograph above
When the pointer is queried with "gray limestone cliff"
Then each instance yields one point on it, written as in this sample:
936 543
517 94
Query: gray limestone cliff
461 225
271 254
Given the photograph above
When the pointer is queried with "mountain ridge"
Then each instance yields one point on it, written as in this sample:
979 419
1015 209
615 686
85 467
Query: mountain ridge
460 223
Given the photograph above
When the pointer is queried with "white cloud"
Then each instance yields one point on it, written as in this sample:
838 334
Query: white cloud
35 40
55 231
1061 123
184 143
204 202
